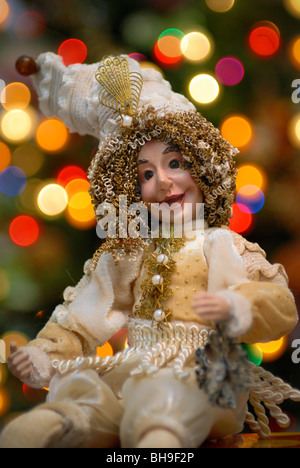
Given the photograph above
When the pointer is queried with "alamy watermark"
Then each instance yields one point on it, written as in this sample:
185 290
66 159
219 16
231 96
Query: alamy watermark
296 93
2 352
149 222
2 92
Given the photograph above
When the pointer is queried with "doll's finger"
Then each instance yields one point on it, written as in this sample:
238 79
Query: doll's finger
13 348
17 358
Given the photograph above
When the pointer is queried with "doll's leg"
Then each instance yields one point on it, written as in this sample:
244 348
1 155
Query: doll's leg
162 411
81 411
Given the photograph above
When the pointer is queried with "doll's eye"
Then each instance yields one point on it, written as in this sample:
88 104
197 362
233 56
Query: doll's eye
148 175
174 164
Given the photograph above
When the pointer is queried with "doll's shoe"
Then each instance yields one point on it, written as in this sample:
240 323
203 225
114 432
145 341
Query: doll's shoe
48 426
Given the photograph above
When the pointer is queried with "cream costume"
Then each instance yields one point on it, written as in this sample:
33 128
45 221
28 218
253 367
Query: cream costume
151 384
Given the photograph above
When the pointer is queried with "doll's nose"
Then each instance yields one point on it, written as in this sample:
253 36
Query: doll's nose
163 181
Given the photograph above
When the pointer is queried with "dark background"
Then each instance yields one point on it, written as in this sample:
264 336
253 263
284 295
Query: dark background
38 274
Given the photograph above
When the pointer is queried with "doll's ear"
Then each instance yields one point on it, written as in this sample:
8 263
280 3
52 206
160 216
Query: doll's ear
26 65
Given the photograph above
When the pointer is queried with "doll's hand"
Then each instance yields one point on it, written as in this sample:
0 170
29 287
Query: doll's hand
211 307
19 362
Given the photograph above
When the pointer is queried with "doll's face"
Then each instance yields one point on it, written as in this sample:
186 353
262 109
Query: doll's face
164 181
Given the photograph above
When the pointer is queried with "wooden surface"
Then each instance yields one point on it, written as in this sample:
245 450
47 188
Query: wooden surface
276 440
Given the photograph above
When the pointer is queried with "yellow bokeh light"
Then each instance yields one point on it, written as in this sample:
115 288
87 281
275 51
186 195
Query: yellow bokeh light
4 401
294 52
17 125
4 10
52 135
5 156
220 6
293 7
293 130
251 175
52 200
196 46
17 96
272 350
237 130
105 350
204 88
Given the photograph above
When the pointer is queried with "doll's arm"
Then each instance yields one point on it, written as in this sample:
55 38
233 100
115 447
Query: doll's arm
262 308
92 313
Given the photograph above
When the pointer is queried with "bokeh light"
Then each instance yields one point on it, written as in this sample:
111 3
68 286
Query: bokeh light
5 156
12 181
220 6
169 43
251 197
13 336
293 130
4 11
52 199
251 174
242 220
29 158
196 46
73 51
80 212
34 395
294 52
69 173
5 401
30 25
52 135
237 130
293 7
273 350
264 39
17 125
17 96
168 61
104 350
24 230
254 353
229 71
204 88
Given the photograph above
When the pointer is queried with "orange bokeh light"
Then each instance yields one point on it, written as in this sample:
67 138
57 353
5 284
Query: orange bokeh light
52 135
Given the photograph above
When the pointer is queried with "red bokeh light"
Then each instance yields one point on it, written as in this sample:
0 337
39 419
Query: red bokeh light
242 220
69 173
164 60
264 40
73 51
24 231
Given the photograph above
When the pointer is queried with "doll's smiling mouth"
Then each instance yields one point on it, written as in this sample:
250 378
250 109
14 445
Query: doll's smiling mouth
175 201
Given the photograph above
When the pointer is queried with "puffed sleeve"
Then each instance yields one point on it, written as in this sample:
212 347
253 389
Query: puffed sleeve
92 312
70 93
262 306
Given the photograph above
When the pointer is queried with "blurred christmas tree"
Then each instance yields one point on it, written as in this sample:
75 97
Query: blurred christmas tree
239 62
